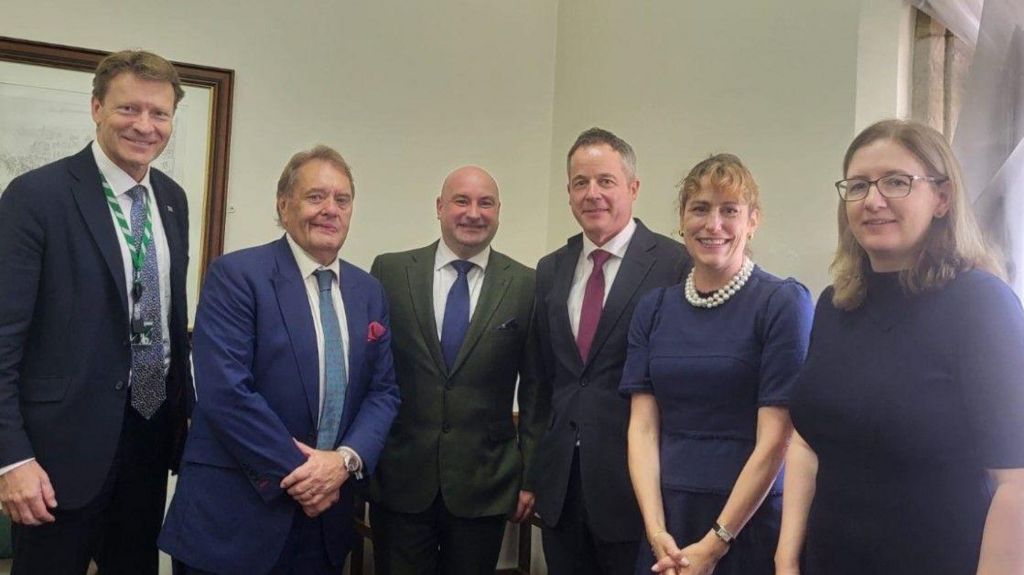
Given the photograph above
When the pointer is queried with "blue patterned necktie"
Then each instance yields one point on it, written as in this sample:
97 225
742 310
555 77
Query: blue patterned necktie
148 382
335 377
456 313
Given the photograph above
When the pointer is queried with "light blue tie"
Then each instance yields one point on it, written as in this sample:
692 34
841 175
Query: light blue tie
148 385
335 377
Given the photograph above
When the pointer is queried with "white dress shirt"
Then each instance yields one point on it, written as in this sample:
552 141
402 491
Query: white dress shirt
445 275
617 247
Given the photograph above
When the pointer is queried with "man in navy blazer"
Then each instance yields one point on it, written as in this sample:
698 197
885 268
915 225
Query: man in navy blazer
295 392
90 417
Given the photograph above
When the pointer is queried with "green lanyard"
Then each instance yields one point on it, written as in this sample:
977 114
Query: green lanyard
136 246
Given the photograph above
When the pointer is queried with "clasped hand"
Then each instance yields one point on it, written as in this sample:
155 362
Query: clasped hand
699 558
316 484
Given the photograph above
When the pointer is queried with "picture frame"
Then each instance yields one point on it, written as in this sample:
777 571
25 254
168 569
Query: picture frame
50 79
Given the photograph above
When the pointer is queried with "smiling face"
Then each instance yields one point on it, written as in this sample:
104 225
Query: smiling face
468 209
892 230
601 193
317 212
716 227
134 121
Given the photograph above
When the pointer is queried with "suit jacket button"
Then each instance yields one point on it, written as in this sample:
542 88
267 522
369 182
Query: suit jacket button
584 382
572 424
119 385
448 385
446 428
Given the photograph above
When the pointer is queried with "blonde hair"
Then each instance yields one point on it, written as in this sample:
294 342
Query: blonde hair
952 244
723 174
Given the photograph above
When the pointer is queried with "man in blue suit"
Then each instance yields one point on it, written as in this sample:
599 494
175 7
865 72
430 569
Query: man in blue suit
93 341
295 392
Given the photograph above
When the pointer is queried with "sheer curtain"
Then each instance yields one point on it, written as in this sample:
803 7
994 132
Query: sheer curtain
989 138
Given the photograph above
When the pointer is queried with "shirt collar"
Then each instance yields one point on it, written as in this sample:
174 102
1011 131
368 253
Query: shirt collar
616 246
118 179
308 265
444 256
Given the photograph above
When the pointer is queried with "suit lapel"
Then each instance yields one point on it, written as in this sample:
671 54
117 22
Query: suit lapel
492 292
169 219
420 274
298 320
92 203
355 302
634 268
565 269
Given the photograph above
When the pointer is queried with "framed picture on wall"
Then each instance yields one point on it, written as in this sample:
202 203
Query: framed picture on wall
45 91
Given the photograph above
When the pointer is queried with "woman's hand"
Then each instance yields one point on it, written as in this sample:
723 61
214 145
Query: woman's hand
704 555
670 557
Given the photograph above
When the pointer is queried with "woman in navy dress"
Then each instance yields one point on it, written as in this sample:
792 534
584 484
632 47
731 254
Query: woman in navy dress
910 409
709 368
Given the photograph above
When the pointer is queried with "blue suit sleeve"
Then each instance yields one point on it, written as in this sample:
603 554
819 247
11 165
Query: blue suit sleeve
239 417
22 241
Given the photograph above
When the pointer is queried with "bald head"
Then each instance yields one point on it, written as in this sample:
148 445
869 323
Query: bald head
468 210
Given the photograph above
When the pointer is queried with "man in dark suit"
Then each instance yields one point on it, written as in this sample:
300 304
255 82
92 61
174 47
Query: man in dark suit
295 392
453 470
586 292
93 345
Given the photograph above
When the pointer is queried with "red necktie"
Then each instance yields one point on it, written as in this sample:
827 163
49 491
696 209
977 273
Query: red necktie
593 303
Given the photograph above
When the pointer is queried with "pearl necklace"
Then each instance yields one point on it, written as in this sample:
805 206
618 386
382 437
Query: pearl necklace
721 295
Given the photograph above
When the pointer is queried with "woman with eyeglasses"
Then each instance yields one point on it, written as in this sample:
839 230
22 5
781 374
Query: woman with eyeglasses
909 410
709 367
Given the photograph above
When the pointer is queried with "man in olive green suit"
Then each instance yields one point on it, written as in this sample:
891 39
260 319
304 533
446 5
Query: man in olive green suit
454 469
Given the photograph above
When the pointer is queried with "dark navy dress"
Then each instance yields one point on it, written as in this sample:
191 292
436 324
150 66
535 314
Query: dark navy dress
710 370
906 401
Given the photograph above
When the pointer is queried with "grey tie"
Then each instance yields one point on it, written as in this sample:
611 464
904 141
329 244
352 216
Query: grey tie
148 381
335 378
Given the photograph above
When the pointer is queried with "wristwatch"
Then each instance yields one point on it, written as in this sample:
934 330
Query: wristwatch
722 533
351 465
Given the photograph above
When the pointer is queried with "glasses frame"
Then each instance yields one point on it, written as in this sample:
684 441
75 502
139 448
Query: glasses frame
910 188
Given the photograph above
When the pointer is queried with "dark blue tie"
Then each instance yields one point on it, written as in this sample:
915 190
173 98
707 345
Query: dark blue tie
147 380
335 377
456 313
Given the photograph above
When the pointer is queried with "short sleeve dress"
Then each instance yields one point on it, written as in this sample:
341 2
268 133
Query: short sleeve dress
710 370
907 400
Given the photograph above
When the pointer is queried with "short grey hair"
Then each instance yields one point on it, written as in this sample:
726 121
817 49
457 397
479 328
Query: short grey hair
598 136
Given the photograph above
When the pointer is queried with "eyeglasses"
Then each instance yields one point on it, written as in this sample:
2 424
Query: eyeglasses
894 186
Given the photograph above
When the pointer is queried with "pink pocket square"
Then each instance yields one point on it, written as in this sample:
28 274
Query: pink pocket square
376 331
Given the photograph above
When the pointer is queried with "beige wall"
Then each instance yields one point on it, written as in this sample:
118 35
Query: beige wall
405 90
773 82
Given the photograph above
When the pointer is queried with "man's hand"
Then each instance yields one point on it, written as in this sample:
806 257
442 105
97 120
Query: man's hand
316 484
27 495
524 508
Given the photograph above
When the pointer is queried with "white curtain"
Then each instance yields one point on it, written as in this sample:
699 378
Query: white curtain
989 138
961 17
